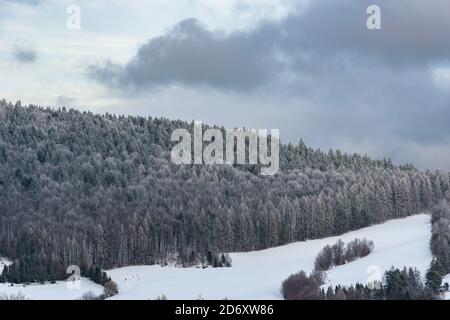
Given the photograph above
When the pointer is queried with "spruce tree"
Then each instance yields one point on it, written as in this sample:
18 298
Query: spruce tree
435 275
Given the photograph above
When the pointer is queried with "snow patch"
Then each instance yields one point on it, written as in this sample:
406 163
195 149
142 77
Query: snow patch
47 291
446 279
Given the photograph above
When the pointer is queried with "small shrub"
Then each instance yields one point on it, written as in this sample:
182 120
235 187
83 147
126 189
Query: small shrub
110 289
18 296
90 296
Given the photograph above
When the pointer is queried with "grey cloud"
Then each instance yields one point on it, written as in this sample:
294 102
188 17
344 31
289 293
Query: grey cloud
413 33
25 55
27 2
65 101
194 56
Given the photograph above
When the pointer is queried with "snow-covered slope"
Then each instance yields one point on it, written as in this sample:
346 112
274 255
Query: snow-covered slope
57 291
395 245
259 274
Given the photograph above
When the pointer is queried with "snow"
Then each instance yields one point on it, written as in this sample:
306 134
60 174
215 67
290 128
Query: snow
397 246
446 279
259 274
58 291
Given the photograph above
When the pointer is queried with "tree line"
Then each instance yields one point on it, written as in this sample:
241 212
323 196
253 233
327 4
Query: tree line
397 284
440 246
100 191
339 253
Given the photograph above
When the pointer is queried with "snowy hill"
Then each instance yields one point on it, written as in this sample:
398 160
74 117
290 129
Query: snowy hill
259 274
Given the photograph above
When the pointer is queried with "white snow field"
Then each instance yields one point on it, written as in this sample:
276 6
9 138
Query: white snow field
259 274
58 291
446 279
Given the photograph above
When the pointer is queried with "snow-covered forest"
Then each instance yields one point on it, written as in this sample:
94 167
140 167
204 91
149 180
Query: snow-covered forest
100 190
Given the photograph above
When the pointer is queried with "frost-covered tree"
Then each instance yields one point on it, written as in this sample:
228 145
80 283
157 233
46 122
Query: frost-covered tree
100 191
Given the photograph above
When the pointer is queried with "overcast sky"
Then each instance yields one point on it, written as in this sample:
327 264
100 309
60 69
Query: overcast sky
309 68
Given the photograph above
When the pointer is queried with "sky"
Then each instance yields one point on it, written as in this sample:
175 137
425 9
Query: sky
310 68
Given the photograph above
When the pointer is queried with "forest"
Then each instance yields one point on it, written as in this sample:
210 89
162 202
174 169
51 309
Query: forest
78 188
439 245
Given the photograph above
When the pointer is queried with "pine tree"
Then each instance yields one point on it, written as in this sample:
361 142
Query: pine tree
435 275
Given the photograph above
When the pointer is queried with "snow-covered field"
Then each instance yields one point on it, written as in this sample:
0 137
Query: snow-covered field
259 274
58 291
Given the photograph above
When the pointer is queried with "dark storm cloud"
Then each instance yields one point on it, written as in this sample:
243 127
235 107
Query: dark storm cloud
192 55
413 33
25 55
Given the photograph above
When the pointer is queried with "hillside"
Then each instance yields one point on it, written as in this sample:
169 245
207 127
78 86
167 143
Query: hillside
99 190
258 274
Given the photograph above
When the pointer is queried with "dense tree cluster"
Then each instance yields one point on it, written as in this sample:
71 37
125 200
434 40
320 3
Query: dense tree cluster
32 268
219 260
97 275
302 157
100 190
440 238
435 275
440 245
397 284
339 253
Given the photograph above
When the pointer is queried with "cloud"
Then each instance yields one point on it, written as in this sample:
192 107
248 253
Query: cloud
412 32
192 55
65 101
25 55
26 2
